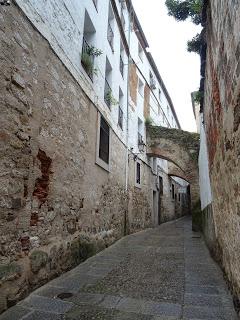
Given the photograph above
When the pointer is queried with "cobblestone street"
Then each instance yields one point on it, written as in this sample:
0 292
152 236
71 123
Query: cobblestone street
162 273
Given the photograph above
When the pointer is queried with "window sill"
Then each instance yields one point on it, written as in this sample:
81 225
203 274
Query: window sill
103 164
139 186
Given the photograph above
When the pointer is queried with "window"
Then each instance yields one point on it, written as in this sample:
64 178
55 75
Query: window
138 173
140 131
104 141
140 51
179 197
152 81
87 59
173 192
121 63
120 111
140 87
120 117
110 33
161 186
160 94
108 96
154 167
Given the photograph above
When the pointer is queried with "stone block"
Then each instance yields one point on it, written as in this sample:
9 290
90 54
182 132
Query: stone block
38 260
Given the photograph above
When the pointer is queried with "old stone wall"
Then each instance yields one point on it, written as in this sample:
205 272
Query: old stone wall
221 120
57 207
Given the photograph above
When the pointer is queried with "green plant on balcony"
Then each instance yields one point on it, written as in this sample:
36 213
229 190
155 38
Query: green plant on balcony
110 99
87 59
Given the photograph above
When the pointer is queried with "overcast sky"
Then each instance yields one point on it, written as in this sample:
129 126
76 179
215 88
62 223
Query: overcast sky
167 40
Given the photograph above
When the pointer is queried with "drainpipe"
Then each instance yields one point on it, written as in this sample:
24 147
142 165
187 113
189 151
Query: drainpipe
128 76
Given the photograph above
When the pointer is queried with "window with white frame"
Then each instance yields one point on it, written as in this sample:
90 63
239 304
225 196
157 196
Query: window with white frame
104 141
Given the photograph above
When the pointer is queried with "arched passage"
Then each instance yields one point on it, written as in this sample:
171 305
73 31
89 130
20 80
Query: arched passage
179 147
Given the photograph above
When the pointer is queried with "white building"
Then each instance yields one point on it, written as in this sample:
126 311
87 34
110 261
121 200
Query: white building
102 44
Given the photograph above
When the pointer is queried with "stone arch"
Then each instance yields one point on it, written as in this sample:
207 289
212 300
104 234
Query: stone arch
175 171
180 148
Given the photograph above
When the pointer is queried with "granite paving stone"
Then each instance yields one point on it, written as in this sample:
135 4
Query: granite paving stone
165 273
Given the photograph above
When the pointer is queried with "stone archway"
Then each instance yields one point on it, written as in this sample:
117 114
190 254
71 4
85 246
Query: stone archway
180 148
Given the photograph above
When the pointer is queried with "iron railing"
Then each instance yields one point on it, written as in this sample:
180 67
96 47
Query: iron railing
87 60
110 36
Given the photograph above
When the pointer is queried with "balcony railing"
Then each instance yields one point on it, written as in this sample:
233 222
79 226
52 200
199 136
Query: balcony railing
107 93
110 36
121 66
87 60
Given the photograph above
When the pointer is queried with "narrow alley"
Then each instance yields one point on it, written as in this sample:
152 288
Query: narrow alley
162 273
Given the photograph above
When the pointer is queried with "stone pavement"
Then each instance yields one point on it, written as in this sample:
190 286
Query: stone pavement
164 273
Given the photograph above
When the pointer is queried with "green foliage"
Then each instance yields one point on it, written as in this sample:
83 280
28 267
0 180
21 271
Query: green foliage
87 59
87 63
148 121
198 95
194 45
110 98
181 10
94 52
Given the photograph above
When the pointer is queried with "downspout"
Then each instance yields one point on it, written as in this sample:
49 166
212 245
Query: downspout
127 133
128 77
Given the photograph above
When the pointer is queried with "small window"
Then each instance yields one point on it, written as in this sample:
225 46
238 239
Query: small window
179 197
140 51
138 173
120 117
104 141
152 81
160 94
110 30
173 192
140 87
161 186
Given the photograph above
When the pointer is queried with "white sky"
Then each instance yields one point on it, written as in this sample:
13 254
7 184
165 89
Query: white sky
167 40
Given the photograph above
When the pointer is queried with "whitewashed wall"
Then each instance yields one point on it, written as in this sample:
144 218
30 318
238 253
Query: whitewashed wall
204 180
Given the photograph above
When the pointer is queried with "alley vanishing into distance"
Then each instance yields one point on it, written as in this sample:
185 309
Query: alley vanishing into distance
164 273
